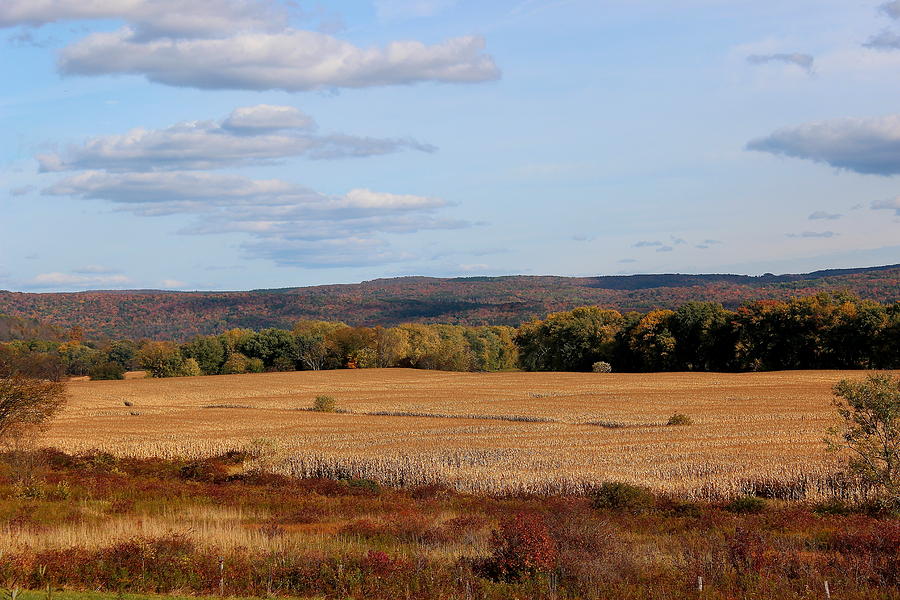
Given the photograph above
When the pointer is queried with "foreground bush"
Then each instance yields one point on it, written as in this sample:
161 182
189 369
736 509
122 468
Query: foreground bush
521 547
622 497
324 404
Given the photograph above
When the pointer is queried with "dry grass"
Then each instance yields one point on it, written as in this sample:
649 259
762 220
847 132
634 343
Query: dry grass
482 432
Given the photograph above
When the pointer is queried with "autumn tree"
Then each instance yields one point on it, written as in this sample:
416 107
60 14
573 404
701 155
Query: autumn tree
569 341
870 431
27 403
161 359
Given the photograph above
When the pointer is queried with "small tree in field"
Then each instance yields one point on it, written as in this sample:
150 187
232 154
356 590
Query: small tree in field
26 404
871 429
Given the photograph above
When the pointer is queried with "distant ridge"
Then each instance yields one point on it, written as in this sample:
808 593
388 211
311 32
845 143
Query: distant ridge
503 300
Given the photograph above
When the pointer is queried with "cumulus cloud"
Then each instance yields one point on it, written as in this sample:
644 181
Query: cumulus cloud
153 18
706 244
265 117
248 135
291 60
821 214
21 191
891 9
804 61
646 244
886 40
665 249
888 204
72 280
289 224
812 234
862 145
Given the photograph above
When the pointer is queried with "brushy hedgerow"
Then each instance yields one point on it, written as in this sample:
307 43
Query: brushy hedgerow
427 543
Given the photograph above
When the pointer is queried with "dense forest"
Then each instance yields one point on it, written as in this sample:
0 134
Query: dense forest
473 301
821 331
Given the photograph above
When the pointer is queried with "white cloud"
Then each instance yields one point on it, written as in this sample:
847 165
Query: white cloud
888 204
891 9
171 284
248 135
153 18
804 61
862 145
291 60
290 224
821 214
265 117
812 234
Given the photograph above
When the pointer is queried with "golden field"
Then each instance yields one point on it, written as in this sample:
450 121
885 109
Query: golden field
491 432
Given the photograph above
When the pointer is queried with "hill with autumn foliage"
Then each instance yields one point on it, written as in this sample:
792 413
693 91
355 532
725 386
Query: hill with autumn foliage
509 300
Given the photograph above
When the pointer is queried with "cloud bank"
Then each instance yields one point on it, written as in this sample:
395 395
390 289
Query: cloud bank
248 135
869 145
804 61
245 45
291 60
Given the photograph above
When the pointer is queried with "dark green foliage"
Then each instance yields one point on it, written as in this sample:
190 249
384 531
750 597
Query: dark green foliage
569 341
208 351
107 370
746 505
871 429
680 419
622 497
832 506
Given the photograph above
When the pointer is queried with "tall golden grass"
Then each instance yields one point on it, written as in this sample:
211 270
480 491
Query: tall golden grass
490 432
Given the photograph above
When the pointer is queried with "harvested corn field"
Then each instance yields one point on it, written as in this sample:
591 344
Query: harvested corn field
496 432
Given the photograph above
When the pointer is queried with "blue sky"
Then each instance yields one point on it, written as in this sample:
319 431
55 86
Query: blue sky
241 144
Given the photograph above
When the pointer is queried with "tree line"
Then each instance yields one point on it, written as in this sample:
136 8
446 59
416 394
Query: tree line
822 331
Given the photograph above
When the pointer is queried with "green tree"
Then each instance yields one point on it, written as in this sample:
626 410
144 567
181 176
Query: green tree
208 351
870 431
161 359
569 341
652 341
703 340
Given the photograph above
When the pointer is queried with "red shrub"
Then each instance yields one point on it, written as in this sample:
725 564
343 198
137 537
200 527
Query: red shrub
521 547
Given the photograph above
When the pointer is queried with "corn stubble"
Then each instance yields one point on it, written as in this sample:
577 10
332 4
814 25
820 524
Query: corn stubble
756 433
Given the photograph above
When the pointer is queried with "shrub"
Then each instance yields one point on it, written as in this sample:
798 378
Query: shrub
746 505
833 506
622 497
235 365
107 371
521 547
680 419
324 404
602 367
871 429
190 368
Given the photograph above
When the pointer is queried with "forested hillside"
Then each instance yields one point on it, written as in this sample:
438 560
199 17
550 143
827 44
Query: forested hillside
17 328
467 301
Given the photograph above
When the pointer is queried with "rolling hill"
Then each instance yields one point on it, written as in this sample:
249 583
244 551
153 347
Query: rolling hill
508 300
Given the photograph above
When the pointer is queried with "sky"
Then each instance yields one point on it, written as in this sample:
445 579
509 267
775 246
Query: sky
248 144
